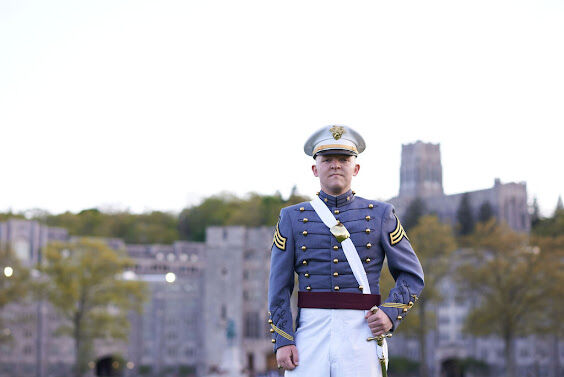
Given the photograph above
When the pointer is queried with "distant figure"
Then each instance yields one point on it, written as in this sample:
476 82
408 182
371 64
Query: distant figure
337 244
230 331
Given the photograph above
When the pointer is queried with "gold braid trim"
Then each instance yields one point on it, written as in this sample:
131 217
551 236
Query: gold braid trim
398 305
282 333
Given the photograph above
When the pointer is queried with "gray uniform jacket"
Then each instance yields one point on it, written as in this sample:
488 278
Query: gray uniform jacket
303 243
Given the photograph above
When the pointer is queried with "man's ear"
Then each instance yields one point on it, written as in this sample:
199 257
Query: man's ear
314 170
356 169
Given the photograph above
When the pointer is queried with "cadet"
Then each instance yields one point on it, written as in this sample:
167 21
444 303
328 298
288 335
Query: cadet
336 244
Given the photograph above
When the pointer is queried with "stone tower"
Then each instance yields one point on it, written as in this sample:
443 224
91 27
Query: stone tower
421 173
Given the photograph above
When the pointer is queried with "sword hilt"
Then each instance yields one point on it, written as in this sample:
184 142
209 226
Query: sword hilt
379 339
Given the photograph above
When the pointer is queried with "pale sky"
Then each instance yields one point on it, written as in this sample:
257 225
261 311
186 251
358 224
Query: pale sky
153 105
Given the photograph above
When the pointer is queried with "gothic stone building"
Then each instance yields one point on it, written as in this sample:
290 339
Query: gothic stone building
421 177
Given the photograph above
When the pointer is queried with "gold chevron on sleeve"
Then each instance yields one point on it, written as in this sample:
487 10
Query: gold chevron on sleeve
397 235
278 240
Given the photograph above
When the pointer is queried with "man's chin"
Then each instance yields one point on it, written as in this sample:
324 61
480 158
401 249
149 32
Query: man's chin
336 190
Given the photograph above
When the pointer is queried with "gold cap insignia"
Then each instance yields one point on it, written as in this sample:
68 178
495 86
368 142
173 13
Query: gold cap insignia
337 132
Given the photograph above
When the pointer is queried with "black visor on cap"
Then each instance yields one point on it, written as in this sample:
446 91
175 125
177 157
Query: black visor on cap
335 151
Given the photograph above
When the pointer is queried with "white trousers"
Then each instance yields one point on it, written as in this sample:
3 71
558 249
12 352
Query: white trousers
332 343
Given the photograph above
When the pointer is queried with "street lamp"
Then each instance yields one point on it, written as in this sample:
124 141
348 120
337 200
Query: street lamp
8 271
170 277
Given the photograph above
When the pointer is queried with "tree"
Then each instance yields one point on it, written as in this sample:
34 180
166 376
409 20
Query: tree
485 212
14 284
433 243
10 215
551 312
153 227
228 209
508 278
83 285
551 226
414 211
535 212
465 216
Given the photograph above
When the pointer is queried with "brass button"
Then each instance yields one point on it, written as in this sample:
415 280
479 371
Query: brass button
348 198
336 287
361 287
302 209
335 274
367 260
271 330
400 317
335 260
325 200
306 274
368 245
371 205
367 218
308 288
335 247
336 212
304 262
304 232
405 310
270 321
367 230
305 220
304 248
273 340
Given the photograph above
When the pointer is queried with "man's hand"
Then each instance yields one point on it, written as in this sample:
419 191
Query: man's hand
378 322
287 357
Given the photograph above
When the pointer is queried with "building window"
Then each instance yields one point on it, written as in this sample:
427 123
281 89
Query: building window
252 325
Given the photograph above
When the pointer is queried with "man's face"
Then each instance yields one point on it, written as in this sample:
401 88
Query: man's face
335 172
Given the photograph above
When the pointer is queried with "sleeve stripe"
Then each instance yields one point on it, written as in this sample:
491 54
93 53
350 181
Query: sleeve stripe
282 333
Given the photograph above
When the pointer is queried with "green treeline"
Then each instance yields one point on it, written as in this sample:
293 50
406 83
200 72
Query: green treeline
222 209
164 227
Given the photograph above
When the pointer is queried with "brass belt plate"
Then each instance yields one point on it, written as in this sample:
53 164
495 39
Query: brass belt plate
340 232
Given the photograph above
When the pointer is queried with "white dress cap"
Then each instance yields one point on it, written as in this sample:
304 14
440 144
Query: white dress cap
334 139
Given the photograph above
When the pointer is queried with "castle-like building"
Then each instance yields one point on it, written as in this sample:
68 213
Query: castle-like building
211 321
421 176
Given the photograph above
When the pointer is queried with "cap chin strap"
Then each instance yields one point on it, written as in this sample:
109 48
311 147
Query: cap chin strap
342 235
